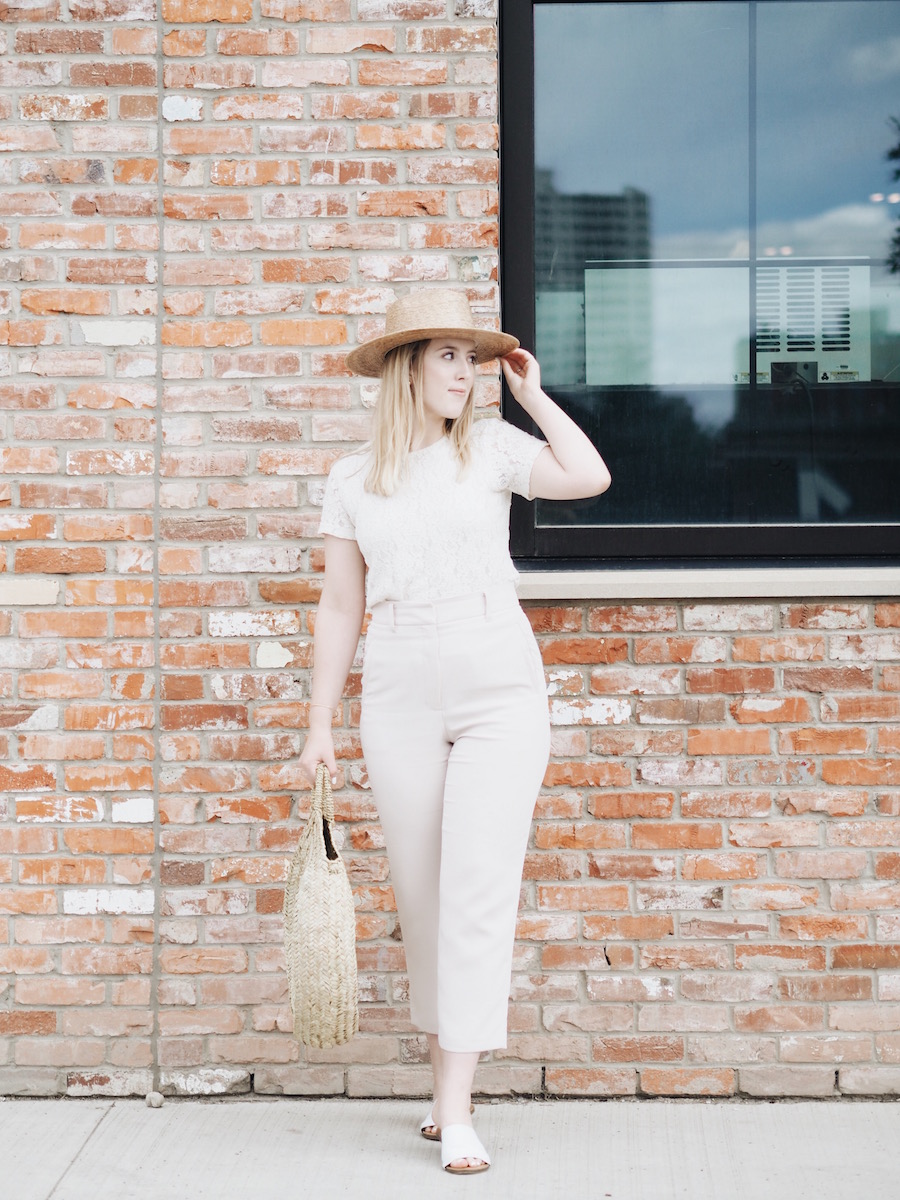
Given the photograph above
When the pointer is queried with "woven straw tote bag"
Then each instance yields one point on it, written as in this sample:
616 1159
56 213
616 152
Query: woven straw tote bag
320 931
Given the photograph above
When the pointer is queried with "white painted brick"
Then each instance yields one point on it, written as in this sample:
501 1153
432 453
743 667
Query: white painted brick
108 900
558 678
113 333
28 654
68 808
134 560
139 366
12 523
205 1081
247 624
726 617
178 933
109 1083
864 647
590 712
273 654
182 108
677 770
29 591
231 687
762 704
132 810
44 717
251 559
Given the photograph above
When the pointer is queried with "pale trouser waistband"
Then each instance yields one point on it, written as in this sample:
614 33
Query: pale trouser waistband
496 598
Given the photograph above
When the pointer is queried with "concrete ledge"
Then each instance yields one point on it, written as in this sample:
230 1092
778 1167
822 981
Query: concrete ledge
719 583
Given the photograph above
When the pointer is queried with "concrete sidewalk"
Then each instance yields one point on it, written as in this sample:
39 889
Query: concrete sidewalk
288 1149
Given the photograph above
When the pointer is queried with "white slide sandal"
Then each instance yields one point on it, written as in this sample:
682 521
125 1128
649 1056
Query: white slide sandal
461 1141
429 1129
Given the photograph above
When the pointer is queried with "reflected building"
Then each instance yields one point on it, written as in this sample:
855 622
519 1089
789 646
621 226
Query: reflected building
569 231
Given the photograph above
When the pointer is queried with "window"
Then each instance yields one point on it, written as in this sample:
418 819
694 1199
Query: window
697 224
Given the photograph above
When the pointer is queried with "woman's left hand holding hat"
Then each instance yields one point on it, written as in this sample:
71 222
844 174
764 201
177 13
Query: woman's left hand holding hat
522 373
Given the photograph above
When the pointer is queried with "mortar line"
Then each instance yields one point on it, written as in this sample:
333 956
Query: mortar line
157 507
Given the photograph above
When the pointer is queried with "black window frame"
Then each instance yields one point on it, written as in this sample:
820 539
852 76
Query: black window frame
536 547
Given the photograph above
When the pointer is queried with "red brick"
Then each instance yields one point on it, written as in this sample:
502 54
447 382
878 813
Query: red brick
595 775
782 1017
823 616
639 1049
460 39
827 679
728 741
599 928
449 104
185 43
676 834
260 41
402 203
731 679
400 72
48 107
722 866
823 741
861 708
591 1081
688 1081
630 866
887 616
862 772
631 804
453 170
866 957
821 927
778 649
679 649
583 650
478 202
185 11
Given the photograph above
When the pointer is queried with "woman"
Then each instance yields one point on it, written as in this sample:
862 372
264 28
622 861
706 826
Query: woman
454 723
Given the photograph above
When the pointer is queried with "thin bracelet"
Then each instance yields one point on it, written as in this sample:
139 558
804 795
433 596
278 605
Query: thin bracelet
314 704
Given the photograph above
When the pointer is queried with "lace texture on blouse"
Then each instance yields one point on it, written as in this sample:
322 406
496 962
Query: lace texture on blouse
445 531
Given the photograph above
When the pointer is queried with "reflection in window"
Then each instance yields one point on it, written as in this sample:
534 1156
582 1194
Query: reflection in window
713 223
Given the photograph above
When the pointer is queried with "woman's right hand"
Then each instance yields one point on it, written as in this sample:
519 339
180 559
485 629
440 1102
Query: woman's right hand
319 748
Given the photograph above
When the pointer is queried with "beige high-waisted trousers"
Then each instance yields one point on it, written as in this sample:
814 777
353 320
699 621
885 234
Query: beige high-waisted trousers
456 737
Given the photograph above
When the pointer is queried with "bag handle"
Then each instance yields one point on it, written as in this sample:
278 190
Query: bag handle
323 804
323 799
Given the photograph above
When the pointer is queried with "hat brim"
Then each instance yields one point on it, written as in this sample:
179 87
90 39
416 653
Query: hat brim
368 359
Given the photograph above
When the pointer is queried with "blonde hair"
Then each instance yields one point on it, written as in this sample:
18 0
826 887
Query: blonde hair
400 415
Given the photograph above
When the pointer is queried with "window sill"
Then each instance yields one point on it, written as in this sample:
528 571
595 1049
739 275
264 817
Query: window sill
712 584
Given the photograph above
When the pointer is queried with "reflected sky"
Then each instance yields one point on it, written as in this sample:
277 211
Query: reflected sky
829 78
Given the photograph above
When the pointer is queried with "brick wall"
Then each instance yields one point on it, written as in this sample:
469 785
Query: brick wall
201 207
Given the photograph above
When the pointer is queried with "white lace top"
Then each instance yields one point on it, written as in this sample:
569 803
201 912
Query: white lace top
442 533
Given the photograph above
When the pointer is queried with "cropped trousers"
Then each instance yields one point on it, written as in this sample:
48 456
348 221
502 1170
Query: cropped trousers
456 737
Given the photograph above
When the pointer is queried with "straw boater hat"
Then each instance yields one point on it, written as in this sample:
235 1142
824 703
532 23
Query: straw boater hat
420 316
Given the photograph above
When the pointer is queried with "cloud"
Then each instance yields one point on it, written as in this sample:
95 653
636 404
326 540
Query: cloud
875 61
861 230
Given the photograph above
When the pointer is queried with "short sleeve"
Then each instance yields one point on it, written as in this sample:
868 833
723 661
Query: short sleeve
336 519
511 453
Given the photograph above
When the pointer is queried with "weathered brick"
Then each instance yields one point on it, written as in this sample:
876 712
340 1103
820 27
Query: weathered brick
711 891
